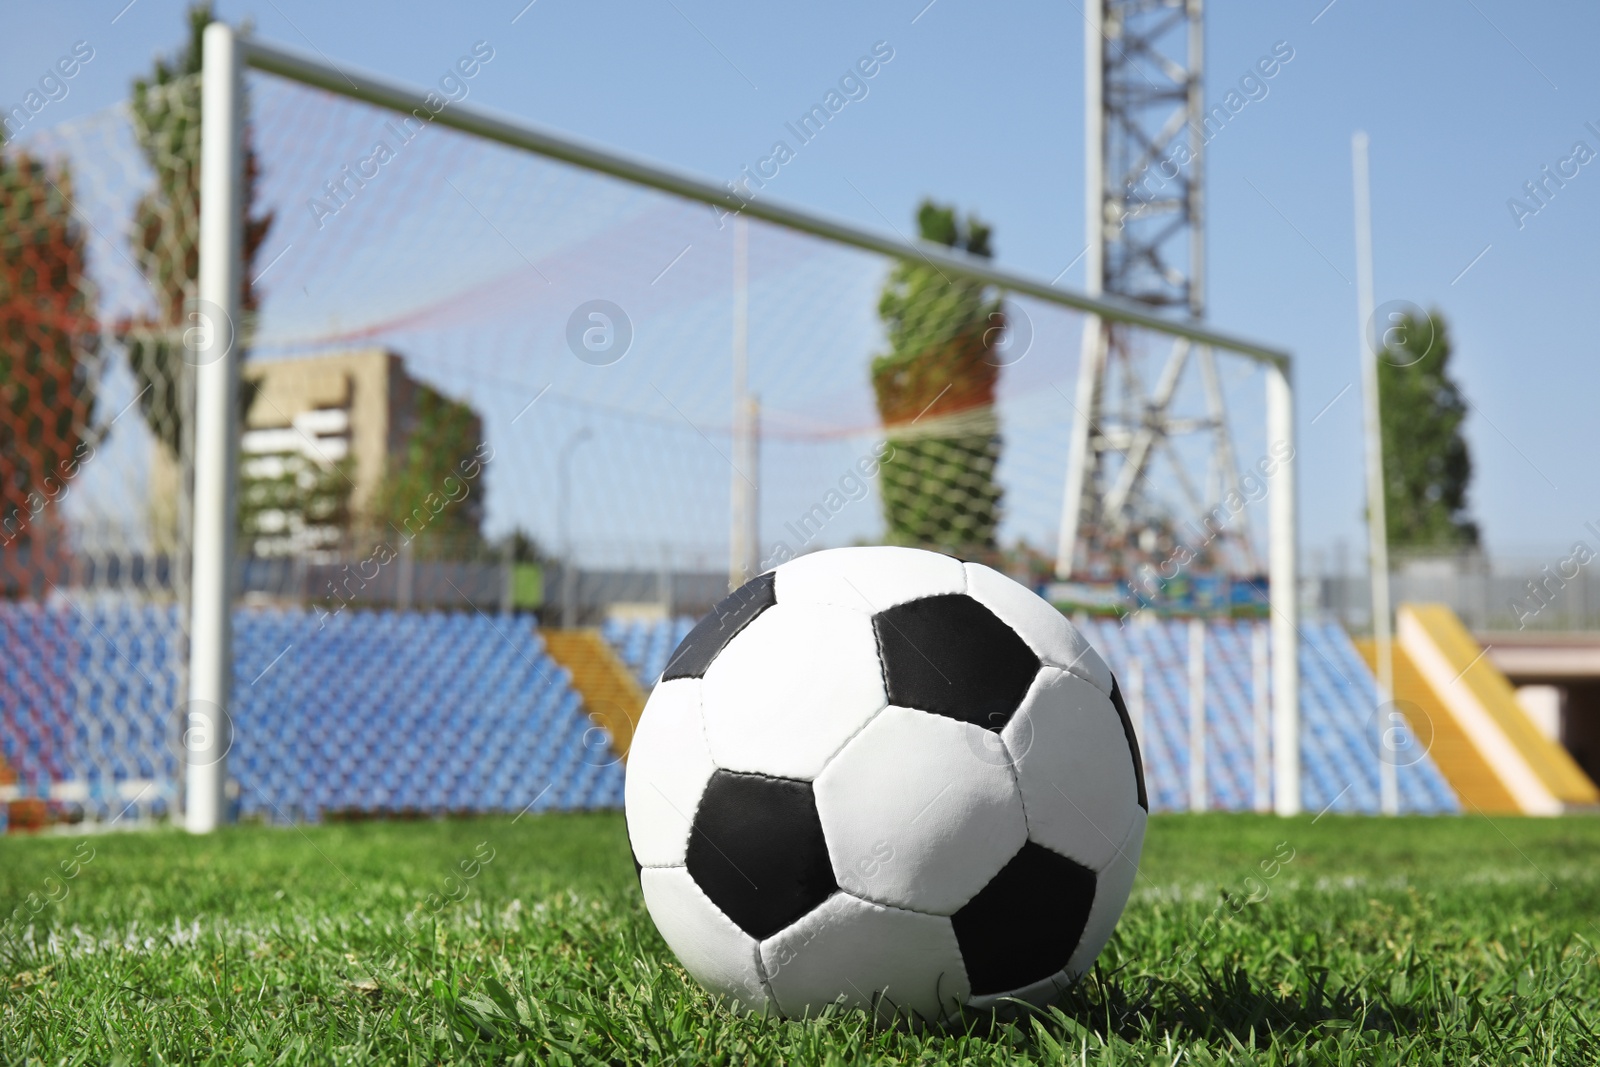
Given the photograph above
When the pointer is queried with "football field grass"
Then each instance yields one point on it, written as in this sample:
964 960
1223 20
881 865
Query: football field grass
1247 940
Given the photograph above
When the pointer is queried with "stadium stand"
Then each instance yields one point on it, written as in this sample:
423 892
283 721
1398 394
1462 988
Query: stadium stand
647 645
415 712
85 704
361 712
1337 695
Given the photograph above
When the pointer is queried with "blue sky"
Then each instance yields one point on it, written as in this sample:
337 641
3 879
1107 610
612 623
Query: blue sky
1464 100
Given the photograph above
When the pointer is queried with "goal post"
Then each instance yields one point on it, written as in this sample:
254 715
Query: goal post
207 730
217 422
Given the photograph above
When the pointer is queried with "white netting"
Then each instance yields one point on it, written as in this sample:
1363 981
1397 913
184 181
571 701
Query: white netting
97 227
432 414
470 259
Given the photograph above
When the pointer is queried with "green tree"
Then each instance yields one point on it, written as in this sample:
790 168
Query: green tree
1426 466
49 342
433 493
166 229
935 389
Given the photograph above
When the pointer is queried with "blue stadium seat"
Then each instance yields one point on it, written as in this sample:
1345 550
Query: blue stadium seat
370 710
429 711
647 646
1337 695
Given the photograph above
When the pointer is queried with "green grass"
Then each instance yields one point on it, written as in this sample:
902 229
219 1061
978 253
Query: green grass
1443 941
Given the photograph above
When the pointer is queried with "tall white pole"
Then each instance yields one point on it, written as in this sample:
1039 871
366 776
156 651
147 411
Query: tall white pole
750 463
1198 787
1261 718
209 346
1197 184
1377 522
1283 576
569 562
743 549
1092 356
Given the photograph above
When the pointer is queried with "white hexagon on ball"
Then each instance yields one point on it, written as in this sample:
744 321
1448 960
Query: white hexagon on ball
668 767
1074 768
790 689
868 579
915 816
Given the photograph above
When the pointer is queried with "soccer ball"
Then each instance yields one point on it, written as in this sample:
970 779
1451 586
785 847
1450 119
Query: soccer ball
885 778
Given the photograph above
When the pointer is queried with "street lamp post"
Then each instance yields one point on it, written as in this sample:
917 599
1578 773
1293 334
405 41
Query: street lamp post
569 574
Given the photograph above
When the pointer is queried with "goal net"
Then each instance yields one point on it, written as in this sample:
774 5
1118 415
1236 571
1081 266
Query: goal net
495 385
96 243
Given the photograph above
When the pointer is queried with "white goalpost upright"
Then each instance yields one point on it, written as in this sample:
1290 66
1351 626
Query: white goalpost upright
1283 578
216 418
1377 521
210 350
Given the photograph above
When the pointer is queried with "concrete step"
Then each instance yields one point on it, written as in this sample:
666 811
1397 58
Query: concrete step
612 696
1538 772
1468 773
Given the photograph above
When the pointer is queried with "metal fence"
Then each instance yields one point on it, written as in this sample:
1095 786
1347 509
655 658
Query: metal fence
1557 593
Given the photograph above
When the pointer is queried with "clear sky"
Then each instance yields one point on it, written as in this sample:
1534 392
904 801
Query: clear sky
1465 101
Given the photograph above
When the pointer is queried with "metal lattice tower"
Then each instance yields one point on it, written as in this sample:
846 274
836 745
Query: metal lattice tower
1144 139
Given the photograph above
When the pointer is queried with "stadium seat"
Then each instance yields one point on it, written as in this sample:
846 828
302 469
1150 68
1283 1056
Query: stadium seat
375 711
1337 692
434 712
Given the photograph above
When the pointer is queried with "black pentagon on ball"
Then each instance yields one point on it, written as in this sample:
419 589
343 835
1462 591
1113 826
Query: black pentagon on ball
952 656
711 634
1133 740
756 849
1026 923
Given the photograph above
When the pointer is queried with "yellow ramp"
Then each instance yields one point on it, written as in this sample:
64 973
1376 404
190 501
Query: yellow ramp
1453 752
1540 775
611 694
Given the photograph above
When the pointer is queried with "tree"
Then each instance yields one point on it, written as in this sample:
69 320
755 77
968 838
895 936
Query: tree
166 230
528 561
49 343
434 492
935 389
1426 466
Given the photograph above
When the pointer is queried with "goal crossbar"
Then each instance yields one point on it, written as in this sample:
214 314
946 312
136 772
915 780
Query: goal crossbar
482 122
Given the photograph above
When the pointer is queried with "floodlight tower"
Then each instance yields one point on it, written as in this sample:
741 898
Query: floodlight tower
1145 134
